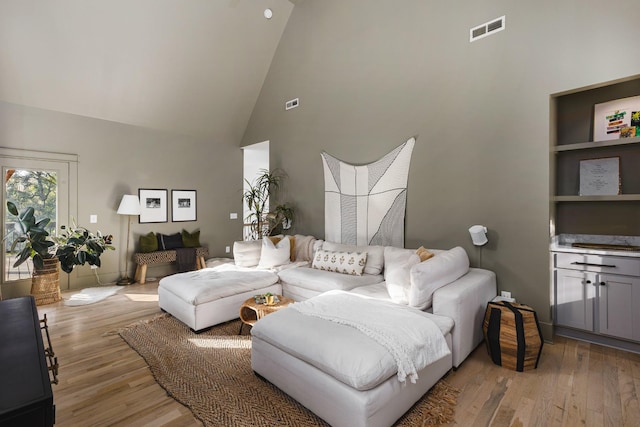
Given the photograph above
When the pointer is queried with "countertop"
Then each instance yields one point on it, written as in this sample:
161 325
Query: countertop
563 243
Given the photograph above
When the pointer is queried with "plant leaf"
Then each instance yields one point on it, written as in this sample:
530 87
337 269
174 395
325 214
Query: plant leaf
12 208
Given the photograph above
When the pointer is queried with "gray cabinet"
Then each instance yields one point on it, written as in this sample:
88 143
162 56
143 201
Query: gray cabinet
618 305
589 296
575 297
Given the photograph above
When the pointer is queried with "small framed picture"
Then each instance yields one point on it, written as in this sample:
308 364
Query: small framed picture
600 177
613 119
183 205
153 205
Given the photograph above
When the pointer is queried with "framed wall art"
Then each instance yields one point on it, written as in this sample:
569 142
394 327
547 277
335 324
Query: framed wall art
600 177
153 205
614 119
183 205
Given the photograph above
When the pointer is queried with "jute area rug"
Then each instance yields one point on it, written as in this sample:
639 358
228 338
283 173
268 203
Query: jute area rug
211 374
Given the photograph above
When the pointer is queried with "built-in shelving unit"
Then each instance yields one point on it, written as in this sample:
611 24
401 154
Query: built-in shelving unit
594 296
571 142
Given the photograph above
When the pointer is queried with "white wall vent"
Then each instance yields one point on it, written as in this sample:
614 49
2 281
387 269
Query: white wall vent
291 104
487 29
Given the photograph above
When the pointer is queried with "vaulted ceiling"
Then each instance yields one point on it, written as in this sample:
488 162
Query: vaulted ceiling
191 67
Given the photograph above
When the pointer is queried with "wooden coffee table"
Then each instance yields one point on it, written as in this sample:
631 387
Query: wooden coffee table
251 311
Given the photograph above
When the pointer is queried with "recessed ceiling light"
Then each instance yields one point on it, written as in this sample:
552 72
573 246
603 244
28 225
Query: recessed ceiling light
268 13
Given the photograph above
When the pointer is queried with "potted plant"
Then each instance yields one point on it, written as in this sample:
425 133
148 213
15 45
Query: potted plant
282 216
37 244
73 246
262 222
77 246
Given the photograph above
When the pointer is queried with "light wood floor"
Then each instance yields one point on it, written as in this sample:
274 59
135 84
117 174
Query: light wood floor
105 383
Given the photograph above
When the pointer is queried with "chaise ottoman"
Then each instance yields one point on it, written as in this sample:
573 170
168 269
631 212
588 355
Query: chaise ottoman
203 298
337 372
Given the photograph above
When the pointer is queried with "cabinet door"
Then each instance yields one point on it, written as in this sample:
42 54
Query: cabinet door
618 304
575 294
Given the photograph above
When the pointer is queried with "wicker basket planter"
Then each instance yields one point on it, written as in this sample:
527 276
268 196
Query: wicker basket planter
45 283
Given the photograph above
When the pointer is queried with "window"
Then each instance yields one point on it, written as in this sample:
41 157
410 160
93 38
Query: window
27 188
255 158
43 181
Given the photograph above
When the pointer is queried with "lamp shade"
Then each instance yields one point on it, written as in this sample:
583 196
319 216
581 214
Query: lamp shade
129 205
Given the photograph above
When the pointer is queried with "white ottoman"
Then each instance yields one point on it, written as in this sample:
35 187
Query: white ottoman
204 298
339 374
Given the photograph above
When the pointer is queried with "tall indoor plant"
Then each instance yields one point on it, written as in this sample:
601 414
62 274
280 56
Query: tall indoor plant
256 196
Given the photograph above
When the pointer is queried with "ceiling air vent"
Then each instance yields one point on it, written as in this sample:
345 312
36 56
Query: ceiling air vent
486 29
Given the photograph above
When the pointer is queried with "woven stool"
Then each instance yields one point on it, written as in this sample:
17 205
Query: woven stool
512 334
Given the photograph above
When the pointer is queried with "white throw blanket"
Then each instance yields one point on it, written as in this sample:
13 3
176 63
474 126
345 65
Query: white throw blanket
411 338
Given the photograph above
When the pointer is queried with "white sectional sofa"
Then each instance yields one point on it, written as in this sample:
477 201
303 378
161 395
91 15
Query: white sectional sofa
443 288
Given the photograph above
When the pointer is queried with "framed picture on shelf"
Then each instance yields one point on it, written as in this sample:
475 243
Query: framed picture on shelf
183 205
600 177
153 205
610 118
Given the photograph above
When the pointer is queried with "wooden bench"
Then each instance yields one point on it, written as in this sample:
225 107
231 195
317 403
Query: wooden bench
163 257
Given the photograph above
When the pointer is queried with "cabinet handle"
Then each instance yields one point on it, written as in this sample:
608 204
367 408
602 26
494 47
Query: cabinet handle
593 265
603 283
587 282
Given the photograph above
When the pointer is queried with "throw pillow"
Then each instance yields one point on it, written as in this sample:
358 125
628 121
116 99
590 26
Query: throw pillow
191 240
397 276
247 253
424 254
304 247
375 254
340 262
292 244
148 242
429 276
274 255
169 241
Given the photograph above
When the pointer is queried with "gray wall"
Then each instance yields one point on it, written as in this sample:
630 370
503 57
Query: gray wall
370 74
117 159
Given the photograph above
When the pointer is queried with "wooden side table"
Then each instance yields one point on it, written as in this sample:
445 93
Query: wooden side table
251 311
512 335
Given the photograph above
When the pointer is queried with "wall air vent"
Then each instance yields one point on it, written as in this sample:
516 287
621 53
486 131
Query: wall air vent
291 104
487 29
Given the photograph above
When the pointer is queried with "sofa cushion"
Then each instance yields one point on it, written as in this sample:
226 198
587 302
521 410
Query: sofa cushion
322 281
148 242
340 351
303 247
247 254
430 275
340 262
375 255
273 255
191 240
292 244
202 286
169 241
397 267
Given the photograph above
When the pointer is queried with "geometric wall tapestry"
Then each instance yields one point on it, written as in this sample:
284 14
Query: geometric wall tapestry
365 205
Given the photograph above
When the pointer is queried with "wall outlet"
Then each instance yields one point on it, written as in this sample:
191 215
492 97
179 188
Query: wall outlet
227 249
505 294
233 215
93 219
291 104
